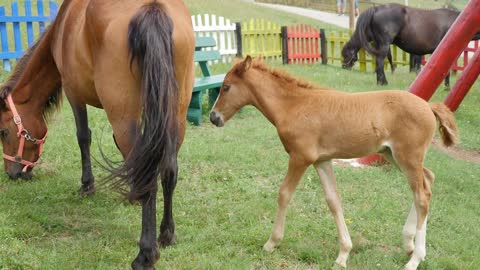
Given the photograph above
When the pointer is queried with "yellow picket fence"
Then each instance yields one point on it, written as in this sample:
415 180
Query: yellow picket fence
336 41
260 37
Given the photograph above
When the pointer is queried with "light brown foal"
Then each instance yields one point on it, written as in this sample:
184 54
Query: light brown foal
316 125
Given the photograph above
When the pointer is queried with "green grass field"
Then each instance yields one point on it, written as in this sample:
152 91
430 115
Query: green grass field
225 200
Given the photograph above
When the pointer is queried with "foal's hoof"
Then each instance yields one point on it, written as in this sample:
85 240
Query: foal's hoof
269 246
137 265
167 238
86 191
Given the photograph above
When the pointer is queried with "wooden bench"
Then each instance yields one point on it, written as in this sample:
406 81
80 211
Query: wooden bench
209 82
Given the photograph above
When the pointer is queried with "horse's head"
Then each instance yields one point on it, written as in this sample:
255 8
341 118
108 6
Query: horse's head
22 133
349 54
234 93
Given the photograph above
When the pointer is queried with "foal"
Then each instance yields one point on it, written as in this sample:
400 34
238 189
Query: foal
317 125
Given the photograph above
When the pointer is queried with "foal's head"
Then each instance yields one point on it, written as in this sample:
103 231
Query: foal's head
234 93
349 54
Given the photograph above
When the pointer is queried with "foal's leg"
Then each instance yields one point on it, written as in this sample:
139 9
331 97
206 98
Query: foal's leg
285 194
327 178
84 140
409 229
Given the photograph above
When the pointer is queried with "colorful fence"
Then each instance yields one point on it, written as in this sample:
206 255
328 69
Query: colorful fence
302 44
463 59
260 37
336 41
22 19
221 29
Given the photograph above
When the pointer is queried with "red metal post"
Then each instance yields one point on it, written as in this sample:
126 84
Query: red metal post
464 82
456 39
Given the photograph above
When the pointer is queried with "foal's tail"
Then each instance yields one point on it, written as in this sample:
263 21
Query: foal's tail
447 126
363 26
155 148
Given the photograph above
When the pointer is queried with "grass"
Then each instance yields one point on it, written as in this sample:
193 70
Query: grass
225 201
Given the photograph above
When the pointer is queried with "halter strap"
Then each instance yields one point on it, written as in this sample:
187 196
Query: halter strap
24 136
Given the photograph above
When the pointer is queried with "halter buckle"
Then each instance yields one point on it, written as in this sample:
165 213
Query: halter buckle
17 120
18 159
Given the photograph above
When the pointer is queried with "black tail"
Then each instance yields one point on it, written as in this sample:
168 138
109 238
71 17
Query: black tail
155 149
363 24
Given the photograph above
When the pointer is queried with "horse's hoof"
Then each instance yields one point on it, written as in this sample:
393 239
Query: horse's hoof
146 259
87 191
167 238
269 246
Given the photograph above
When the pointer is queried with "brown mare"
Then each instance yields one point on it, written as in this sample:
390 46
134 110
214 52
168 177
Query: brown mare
134 59
316 125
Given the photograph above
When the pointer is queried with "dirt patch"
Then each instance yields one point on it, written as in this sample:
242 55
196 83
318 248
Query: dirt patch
458 153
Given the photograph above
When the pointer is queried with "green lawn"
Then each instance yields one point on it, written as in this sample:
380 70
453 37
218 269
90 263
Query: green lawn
225 201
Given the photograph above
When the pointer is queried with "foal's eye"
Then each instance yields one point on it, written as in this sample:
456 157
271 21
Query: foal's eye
226 87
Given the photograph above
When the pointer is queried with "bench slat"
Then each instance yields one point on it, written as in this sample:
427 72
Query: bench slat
208 82
202 42
203 56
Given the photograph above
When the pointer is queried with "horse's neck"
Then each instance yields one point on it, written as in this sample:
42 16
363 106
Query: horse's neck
273 98
38 77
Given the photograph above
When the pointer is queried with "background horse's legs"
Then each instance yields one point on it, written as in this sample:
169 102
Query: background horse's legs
390 60
149 252
84 138
327 178
294 174
380 60
167 228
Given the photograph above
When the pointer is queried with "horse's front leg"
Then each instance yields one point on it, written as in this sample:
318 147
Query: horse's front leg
84 138
285 194
167 228
149 252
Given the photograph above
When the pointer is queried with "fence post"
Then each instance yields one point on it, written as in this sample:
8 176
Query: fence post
323 47
238 39
284 45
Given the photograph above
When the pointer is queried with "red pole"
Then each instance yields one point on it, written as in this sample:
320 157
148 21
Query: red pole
456 39
464 83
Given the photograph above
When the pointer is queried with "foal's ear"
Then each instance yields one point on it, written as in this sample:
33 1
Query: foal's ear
244 65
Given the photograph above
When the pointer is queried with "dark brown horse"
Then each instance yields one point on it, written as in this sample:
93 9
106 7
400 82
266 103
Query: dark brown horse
134 59
415 31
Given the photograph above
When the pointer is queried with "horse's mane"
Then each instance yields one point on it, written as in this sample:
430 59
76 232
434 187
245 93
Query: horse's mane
54 100
281 74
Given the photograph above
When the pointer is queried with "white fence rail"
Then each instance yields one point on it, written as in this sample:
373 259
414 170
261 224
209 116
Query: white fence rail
221 29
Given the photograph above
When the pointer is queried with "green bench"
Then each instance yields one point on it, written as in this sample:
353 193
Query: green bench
209 82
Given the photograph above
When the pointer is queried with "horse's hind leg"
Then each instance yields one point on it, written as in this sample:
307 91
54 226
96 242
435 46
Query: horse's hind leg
84 140
285 194
420 179
327 178
167 227
409 229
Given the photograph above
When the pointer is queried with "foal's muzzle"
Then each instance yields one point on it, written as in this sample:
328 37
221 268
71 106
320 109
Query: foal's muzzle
216 119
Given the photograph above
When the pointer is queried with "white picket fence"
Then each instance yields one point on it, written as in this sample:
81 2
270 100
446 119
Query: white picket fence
221 29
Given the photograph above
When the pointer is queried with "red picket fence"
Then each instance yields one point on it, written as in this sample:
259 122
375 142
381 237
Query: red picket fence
304 44
463 58
468 50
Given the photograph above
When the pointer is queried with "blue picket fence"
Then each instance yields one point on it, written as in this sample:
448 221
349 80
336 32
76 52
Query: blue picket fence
28 17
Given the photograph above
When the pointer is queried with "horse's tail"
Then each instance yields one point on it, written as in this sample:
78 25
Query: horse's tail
155 148
447 126
363 24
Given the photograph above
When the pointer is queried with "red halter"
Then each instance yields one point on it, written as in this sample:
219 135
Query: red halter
23 134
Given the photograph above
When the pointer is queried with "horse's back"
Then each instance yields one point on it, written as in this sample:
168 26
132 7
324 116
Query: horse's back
91 50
